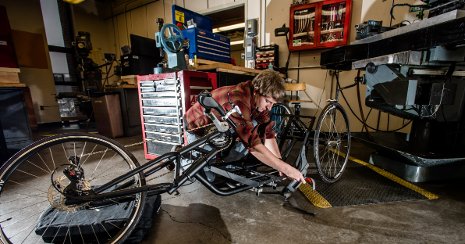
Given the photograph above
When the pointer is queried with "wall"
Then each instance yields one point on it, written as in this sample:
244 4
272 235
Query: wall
39 80
101 35
108 35
277 14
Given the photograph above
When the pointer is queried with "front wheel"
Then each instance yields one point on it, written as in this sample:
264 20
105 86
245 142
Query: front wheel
34 182
331 145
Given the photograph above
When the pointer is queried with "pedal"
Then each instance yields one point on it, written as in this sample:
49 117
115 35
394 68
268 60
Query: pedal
308 190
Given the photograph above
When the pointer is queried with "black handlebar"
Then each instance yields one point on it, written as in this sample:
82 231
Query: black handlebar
208 102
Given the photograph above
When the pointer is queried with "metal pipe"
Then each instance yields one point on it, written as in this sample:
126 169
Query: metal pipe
217 191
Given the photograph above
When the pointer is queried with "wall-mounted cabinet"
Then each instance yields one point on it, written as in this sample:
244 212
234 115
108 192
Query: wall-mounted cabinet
322 24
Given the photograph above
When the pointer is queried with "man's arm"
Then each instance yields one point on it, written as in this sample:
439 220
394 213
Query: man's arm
272 145
267 157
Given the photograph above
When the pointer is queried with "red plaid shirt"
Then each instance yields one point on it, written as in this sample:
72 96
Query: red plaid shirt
242 96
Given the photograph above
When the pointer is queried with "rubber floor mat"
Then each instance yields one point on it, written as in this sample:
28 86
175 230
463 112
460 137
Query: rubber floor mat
363 183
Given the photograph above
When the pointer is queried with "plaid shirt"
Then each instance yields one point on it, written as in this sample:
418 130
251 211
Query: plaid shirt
242 96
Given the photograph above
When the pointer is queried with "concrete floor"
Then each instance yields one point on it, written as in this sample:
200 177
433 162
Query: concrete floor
199 216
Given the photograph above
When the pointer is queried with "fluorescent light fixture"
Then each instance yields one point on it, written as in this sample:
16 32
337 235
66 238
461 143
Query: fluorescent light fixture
236 42
74 1
229 27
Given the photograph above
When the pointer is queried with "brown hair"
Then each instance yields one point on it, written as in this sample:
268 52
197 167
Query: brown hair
269 83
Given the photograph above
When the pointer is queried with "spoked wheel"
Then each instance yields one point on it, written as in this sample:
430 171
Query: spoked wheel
331 146
33 182
280 114
285 132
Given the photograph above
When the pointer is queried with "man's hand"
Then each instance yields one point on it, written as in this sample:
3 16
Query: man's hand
293 173
267 157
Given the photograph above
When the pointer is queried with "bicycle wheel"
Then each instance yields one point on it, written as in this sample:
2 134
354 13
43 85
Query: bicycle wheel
33 208
280 114
331 145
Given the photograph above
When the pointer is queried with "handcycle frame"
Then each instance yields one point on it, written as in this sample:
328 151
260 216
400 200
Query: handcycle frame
258 181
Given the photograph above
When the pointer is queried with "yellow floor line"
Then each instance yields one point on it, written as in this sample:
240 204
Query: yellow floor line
425 193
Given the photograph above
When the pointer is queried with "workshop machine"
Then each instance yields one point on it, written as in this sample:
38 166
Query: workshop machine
416 72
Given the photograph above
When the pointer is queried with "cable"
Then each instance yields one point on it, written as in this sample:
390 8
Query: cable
359 101
360 120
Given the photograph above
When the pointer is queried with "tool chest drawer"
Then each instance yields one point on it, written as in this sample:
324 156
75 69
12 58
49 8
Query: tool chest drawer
157 148
170 129
163 137
161 111
162 120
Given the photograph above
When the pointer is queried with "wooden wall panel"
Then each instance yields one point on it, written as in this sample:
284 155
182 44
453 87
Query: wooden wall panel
30 49
154 11
139 22
122 31
196 5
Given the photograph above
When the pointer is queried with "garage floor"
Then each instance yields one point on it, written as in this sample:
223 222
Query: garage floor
198 216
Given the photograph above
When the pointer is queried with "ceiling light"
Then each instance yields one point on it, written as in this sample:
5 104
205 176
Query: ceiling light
74 1
229 27
237 42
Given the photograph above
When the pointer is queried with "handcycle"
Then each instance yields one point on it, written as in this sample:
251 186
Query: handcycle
79 172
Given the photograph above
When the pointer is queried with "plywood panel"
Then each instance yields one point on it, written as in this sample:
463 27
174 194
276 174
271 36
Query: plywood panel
196 5
123 36
216 3
168 11
139 21
154 11
30 49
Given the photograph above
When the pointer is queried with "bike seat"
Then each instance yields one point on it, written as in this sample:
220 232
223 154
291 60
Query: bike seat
208 102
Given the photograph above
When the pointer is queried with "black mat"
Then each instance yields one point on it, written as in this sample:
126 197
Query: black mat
365 185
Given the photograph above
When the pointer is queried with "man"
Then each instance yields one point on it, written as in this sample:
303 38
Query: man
255 99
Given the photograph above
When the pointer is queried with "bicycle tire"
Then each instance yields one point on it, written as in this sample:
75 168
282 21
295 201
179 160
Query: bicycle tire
27 191
331 144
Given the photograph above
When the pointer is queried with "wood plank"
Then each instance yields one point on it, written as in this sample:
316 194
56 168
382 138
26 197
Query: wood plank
12 84
295 86
6 69
9 77
30 49
228 68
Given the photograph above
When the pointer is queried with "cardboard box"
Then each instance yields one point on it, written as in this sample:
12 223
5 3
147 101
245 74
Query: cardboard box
9 75
129 79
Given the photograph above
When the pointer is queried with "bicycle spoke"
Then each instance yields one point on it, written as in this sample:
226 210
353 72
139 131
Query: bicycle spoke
19 199
38 154
21 209
80 233
93 149
82 153
51 155
32 224
105 229
54 216
40 190
58 230
92 177
95 234
64 150
98 164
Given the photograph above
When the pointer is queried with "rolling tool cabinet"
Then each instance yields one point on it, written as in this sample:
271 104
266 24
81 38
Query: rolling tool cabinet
163 99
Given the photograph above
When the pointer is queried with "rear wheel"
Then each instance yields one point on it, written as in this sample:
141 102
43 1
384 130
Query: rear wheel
331 146
33 208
